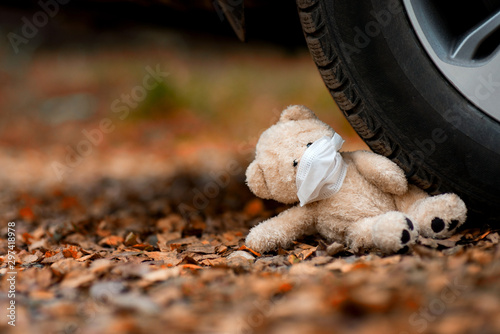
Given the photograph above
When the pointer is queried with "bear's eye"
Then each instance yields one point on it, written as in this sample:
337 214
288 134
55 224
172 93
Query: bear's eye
309 144
295 163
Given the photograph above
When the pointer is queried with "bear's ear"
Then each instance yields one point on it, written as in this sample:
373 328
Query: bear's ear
256 181
296 113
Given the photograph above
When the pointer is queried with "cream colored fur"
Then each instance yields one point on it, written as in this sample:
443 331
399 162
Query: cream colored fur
374 209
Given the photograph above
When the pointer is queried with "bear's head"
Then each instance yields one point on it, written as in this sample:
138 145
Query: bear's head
279 149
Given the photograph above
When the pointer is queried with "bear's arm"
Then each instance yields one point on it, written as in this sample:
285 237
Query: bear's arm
381 172
280 231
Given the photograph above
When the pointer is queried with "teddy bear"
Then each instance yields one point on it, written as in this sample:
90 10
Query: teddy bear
359 199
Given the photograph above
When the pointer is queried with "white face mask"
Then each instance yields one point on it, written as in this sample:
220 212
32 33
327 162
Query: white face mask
321 170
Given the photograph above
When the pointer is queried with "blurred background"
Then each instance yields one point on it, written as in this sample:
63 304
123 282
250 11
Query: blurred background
65 68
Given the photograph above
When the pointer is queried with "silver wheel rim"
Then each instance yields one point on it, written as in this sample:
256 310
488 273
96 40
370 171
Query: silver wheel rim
470 60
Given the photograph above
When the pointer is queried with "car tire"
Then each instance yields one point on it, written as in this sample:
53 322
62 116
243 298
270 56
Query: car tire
401 105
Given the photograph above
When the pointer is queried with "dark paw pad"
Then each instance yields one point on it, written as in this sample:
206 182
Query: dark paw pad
409 223
405 237
453 224
437 225
403 250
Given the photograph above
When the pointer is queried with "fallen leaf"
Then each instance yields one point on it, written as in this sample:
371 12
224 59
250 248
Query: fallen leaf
111 240
190 266
38 244
72 251
144 247
220 262
306 253
77 279
161 274
130 239
64 266
335 248
51 259
243 254
26 213
250 250
29 258
201 257
27 238
204 249
89 257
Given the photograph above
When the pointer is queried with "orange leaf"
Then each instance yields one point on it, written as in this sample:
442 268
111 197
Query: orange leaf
482 236
191 266
360 266
71 251
67 253
112 240
26 213
26 238
250 250
146 247
50 253
285 287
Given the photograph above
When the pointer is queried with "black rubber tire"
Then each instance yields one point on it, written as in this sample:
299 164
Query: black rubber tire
399 102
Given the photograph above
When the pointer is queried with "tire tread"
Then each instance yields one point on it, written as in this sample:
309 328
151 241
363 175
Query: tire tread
345 93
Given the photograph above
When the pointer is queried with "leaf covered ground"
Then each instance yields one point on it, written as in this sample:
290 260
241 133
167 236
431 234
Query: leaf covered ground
118 257
145 233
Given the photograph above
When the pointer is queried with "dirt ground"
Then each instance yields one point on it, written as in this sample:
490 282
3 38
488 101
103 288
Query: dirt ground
136 224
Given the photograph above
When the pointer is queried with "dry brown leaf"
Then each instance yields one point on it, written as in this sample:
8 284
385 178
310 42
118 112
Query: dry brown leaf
131 239
77 278
30 258
335 248
220 249
201 257
306 253
170 259
293 259
219 262
203 249
53 258
39 244
112 240
161 274
243 254
89 257
66 265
